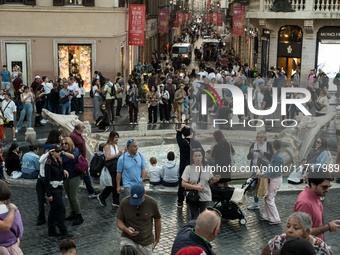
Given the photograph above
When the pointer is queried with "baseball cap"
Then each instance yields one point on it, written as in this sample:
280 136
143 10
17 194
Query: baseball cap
37 77
162 85
137 193
296 246
55 147
191 250
8 94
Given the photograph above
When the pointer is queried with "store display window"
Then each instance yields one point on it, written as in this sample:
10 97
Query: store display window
75 59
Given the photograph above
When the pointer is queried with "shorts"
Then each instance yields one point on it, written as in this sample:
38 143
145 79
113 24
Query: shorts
5 85
181 106
9 125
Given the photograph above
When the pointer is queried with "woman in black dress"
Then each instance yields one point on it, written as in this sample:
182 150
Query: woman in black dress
222 152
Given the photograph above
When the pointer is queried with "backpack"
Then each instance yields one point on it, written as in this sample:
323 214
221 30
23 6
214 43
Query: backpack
81 166
101 79
113 91
97 164
91 93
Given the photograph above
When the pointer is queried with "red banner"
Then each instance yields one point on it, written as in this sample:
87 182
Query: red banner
136 24
214 18
238 18
220 19
180 18
186 17
163 21
175 23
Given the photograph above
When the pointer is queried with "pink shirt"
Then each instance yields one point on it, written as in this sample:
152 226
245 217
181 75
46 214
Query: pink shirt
310 203
310 80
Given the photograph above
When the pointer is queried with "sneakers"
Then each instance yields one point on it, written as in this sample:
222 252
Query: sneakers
94 195
179 205
43 121
131 123
115 205
17 130
14 139
101 201
254 206
263 219
274 223
135 123
106 129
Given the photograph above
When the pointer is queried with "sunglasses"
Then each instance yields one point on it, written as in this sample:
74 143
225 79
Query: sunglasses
209 208
64 143
326 187
318 142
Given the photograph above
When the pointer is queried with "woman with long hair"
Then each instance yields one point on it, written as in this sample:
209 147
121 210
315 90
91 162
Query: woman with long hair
180 96
322 103
96 91
197 177
39 102
133 103
223 153
103 122
54 137
26 99
164 100
69 158
112 153
12 160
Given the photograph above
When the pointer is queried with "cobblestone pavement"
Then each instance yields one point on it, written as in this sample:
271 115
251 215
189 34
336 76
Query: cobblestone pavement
100 235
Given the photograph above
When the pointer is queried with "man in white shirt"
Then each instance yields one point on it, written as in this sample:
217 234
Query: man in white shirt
260 97
202 73
218 76
196 84
211 76
48 103
74 88
9 108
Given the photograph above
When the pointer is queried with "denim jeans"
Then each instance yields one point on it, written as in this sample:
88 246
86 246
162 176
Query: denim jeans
88 183
28 108
65 109
81 104
33 175
119 106
48 103
55 108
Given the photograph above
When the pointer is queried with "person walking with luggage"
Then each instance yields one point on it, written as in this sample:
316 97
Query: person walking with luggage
274 174
197 177
112 154
259 153
131 168
54 175
69 158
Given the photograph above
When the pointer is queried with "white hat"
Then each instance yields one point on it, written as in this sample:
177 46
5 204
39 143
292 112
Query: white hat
37 77
162 85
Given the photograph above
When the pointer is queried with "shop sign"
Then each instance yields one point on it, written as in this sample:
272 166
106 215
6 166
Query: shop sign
238 20
292 50
136 24
163 21
219 19
330 33
215 18
175 23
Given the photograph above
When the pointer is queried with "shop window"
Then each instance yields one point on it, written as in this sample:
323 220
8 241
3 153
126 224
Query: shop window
74 2
290 34
14 1
75 59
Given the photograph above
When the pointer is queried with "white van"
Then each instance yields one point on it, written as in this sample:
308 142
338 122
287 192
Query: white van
185 49
210 43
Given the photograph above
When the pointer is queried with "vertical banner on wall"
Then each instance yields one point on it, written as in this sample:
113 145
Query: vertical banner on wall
186 17
238 18
136 24
219 19
175 23
214 18
180 18
163 21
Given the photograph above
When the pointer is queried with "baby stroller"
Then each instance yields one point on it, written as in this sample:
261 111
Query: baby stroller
227 201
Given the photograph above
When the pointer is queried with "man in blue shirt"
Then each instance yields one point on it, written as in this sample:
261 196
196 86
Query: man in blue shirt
5 76
131 168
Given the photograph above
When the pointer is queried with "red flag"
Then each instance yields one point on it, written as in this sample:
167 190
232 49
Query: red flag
215 18
136 24
163 21
219 19
238 20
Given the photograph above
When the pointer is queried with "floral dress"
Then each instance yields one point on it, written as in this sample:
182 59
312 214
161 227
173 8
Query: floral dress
320 247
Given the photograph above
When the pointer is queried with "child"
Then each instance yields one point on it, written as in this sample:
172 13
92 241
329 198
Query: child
154 172
170 170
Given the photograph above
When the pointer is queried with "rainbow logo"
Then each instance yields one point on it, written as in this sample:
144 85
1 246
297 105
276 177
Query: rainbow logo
208 92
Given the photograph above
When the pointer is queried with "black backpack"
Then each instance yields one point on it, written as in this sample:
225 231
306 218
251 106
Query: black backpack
101 79
113 90
97 164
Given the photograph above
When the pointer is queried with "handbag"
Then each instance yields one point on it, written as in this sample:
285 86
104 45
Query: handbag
192 196
262 188
64 100
6 121
111 163
318 107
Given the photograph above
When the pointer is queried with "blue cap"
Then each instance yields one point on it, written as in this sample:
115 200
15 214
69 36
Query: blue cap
137 194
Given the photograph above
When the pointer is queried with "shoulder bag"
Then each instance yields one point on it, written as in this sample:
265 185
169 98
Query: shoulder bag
192 196
6 121
113 162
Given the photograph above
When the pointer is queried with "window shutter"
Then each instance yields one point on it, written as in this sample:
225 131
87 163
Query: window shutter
88 2
58 2
30 2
